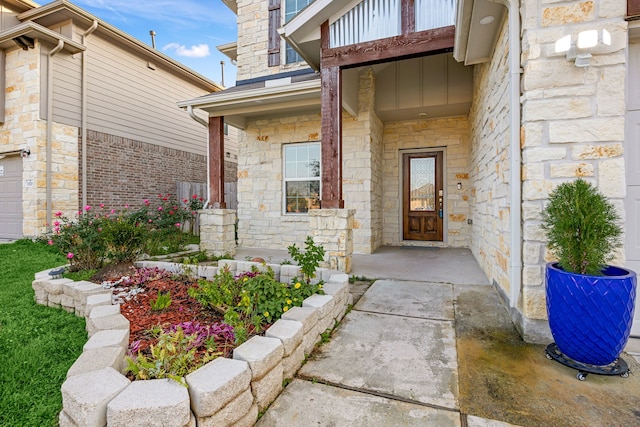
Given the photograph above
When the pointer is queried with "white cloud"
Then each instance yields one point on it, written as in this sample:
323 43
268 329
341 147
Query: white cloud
196 51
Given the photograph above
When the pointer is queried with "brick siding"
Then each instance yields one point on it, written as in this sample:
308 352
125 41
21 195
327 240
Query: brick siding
124 171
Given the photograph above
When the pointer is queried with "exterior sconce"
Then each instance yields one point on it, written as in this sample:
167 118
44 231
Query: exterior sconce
587 42
459 186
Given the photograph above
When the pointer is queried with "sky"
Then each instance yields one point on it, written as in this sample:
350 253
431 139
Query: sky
186 30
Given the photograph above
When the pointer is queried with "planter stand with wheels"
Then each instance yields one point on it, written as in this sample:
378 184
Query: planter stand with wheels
618 367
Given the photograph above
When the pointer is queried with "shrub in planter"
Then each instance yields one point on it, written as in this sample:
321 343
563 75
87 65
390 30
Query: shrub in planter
589 303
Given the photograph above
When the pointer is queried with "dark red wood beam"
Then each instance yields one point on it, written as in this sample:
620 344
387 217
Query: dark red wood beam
216 162
331 108
408 16
633 9
392 48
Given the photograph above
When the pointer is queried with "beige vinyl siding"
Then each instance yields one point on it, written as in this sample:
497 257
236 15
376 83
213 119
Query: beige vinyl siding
67 88
126 98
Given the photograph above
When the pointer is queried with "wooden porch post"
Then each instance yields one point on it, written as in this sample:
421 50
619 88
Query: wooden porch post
331 109
216 162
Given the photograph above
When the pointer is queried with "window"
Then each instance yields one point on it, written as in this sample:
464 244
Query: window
291 9
301 177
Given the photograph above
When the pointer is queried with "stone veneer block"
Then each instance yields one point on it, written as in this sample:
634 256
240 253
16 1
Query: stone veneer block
116 321
338 290
307 315
162 402
323 303
244 266
289 332
310 339
231 413
98 358
231 264
85 396
54 286
217 383
207 271
293 362
104 311
65 420
266 389
96 301
108 338
38 284
54 300
262 353
290 271
41 296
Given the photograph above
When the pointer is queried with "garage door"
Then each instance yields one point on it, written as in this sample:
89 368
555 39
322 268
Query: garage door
632 155
11 197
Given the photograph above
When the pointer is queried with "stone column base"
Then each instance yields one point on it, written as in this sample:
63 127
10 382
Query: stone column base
217 231
333 230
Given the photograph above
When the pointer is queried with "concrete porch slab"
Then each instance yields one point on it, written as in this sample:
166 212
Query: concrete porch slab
410 358
413 299
307 404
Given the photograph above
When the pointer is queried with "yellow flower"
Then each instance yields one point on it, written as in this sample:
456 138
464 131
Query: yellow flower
266 314
297 286
295 299
245 279
285 308
289 301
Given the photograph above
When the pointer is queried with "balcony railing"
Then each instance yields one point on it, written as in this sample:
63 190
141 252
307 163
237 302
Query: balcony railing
379 19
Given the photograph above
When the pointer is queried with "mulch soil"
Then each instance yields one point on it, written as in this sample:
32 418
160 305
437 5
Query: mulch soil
183 308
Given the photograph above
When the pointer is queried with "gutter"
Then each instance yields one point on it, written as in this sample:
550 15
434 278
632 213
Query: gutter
51 54
200 120
515 262
84 112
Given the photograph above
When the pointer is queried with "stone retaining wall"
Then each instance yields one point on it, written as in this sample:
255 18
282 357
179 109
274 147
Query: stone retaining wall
223 392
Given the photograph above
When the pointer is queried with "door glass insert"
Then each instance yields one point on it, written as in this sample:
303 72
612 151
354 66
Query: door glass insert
422 178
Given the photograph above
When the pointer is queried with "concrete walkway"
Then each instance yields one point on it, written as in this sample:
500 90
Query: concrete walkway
430 345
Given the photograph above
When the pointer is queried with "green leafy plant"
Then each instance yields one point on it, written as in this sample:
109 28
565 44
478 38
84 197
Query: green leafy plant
162 301
309 260
174 356
582 227
124 238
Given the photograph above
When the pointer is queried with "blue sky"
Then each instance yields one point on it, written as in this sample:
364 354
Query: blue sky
186 30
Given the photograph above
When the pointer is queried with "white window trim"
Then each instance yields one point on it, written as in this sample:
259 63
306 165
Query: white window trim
285 180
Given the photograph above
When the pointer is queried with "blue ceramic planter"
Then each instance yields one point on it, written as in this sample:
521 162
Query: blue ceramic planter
590 316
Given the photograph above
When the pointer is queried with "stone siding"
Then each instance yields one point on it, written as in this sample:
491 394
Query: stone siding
262 222
253 38
452 136
24 127
573 126
490 203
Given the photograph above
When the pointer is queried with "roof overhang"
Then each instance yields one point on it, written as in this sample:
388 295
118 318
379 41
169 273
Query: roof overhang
20 34
232 4
61 10
478 23
303 31
274 99
230 50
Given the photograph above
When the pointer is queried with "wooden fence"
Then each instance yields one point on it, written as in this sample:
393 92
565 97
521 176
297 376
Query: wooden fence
185 190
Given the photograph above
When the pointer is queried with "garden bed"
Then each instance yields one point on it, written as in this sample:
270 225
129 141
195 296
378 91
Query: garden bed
226 391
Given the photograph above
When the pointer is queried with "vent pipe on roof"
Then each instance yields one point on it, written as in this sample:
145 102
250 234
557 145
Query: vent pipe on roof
222 78
153 38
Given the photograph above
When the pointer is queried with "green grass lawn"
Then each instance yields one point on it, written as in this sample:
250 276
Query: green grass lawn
37 344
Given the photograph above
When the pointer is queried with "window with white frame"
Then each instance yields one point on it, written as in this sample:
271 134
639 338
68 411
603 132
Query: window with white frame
301 177
291 9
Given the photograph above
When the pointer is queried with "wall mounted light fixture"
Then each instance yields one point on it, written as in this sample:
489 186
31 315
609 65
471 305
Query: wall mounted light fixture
459 186
580 49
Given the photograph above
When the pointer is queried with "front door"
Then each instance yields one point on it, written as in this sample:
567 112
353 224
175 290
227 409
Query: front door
422 196
632 155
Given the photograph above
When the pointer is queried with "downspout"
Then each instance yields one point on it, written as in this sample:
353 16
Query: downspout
52 53
83 120
516 154
204 123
